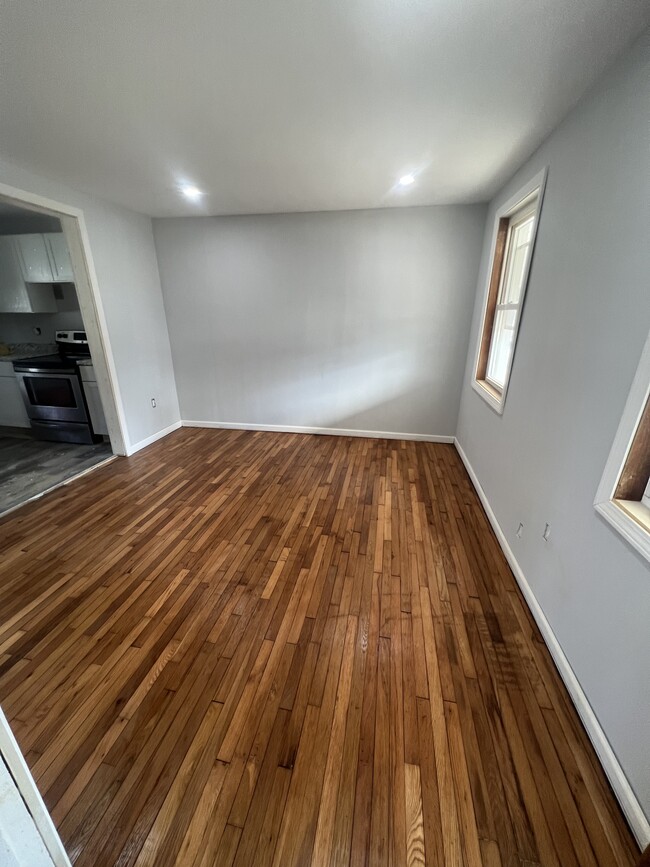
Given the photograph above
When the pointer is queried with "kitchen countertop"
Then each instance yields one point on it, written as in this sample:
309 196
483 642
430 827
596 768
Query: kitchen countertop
19 351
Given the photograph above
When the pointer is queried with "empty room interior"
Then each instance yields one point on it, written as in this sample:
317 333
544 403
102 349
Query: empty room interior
325 433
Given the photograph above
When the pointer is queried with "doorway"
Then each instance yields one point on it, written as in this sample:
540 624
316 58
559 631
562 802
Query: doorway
60 410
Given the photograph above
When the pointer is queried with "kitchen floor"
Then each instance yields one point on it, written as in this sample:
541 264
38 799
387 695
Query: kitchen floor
29 467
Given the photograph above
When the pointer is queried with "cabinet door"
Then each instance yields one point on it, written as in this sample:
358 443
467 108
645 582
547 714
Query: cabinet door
41 298
59 257
95 408
13 292
12 407
34 259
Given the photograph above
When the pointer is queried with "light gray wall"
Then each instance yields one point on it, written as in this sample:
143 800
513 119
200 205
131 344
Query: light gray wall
353 320
123 252
586 317
19 327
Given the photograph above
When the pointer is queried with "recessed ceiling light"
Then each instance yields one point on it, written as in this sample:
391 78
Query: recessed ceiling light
407 180
190 192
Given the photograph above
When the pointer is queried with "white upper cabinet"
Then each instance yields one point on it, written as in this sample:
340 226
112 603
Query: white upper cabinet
17 296
29 264
44 258
59 257
34 259
13 296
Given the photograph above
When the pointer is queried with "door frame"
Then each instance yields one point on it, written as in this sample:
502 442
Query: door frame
13 758
87 285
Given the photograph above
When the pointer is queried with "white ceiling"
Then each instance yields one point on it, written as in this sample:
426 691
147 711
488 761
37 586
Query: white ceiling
294 105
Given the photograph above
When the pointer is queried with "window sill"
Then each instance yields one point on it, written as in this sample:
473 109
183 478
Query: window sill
495 399
631 519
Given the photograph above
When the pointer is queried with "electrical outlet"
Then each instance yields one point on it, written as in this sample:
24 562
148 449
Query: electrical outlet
153 402
546 533
520 531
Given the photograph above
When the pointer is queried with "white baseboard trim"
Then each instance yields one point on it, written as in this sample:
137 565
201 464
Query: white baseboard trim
132 449
328 431
630 805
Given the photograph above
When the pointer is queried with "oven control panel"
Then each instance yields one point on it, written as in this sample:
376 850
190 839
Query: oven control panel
74 337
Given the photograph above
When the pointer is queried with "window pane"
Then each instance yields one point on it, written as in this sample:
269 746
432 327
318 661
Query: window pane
501 346
512 288
525 230
517 254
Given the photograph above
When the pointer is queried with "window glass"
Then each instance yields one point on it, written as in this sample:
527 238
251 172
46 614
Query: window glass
502 345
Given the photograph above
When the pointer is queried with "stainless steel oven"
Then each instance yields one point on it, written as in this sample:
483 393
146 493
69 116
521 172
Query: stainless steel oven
52 392
52 396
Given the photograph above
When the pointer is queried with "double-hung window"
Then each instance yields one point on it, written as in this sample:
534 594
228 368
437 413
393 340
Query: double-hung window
514 239
623 496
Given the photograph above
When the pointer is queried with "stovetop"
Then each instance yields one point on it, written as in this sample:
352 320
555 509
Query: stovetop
46 362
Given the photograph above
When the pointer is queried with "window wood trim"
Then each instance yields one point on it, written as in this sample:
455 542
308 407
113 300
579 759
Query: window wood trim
619 498
494 396
634 477
498 258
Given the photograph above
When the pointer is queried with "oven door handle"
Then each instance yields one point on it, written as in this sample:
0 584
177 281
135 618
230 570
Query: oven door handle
66 371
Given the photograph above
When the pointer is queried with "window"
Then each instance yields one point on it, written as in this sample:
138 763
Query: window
514 239
623 496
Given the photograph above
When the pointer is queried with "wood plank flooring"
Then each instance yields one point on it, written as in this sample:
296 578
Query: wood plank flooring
244 648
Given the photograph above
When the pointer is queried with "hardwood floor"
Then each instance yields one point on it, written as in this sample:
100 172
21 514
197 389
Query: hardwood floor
275 649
